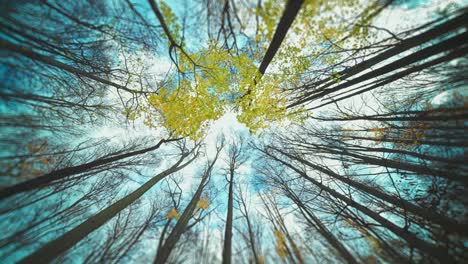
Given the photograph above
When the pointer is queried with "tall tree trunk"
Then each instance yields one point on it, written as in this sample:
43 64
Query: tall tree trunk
45 179
427 115
56 247
433 33
444 46
425 247
165 250
227 249
455 53
447 223
290 12
323 230
253 244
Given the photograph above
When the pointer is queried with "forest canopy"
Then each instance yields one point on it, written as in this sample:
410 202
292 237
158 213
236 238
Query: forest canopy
233 131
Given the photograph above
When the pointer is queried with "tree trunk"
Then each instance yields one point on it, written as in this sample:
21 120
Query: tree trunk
413 240
45 179
56 247
165 250
433 33
323 230
227 249
447 223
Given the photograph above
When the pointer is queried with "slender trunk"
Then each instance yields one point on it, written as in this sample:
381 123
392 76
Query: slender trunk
456 53
45 179
423 54
388 163
294 252
425 247
290 12
252 239
447 223
29 53
323 230
227 249
429 115
173 237
58 246
422 156
433 33
165 250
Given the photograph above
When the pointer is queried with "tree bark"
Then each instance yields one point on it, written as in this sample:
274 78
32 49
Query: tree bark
425 247
45 179
323 230
59 245
165 250
447 223
227 249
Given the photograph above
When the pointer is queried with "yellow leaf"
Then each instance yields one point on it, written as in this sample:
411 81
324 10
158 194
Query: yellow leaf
173 214
280 247
204 203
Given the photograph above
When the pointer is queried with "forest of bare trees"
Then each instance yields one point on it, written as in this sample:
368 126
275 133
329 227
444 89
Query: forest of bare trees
233 131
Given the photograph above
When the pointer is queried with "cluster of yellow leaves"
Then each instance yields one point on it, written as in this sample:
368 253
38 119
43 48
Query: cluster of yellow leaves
184 112
212 80
33 166
172 214
263 105
316 18
414 134
270 13
379 132
186 105
318 22
291 64
280 247
323 20
204 203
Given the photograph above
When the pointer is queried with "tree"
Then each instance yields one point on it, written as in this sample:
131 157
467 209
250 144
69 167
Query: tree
196 204
65 172
236 157
54 248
